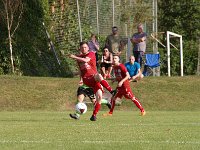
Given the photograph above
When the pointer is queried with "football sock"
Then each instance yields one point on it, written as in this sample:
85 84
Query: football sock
137 103
112 106
78 115
96 108
105 84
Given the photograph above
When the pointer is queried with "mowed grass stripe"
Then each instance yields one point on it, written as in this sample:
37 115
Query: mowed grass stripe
124 130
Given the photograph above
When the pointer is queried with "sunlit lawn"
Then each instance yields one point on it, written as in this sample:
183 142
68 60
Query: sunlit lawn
125 130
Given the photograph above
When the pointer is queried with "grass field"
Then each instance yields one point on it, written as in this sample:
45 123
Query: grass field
125 130
34 115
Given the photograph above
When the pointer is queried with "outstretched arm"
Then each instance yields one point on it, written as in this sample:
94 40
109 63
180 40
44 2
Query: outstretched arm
87 59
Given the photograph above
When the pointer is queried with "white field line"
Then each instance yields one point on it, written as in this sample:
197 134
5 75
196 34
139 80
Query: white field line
143 141
102 142
148 124
24 141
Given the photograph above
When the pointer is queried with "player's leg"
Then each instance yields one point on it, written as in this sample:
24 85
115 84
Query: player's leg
97 104
138 104
113 101
104 83
80 98
129 95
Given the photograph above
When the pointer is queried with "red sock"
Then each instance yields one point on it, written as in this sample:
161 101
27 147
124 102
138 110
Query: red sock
137 103
105 84
112 106
96 108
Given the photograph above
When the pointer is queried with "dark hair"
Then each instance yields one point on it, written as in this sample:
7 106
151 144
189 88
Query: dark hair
114 28
83 42
105 48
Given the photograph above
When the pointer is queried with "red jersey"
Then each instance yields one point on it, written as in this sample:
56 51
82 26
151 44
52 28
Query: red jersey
89 68
120 73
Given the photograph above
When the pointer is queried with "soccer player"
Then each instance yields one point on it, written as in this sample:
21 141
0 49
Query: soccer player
87 65
123 87
85 91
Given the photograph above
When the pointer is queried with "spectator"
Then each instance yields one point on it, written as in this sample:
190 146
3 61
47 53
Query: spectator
134 70
114 42
106 63
94 45
139 44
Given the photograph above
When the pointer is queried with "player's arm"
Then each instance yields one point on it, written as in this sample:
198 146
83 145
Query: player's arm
80 59
124 79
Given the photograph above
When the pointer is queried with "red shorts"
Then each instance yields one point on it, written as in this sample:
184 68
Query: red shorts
90 81
123 91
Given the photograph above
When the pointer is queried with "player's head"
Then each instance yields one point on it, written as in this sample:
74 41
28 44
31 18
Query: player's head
140 28
114 30
84 47
132 59
116 59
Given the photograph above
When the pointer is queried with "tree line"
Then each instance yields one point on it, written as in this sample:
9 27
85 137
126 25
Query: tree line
25 48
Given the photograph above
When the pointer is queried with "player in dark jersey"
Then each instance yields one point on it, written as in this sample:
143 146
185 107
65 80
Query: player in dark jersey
87 65
85 91
123 87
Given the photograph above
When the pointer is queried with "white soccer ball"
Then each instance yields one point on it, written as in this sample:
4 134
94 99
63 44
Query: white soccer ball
81 108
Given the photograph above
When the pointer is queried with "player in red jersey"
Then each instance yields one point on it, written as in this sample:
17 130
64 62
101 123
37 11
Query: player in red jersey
87 65
123 87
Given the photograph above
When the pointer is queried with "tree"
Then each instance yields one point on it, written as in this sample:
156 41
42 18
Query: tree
11 13
181 17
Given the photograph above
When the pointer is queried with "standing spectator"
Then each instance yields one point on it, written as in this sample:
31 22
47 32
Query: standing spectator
139 44
123 87
89 75
134 69
94 46
114 42
106 63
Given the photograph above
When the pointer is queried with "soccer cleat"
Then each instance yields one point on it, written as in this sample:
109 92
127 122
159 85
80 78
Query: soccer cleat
93 118
107 114
108 105
74 116
143 113
113 92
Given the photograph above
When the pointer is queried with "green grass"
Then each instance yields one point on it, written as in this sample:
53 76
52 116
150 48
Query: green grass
125 130
35 116
59 94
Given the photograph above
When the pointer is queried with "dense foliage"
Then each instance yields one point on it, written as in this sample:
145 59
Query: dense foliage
181 17
31 49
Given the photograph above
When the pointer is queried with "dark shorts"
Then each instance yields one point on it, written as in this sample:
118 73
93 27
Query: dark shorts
86 92
106 65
